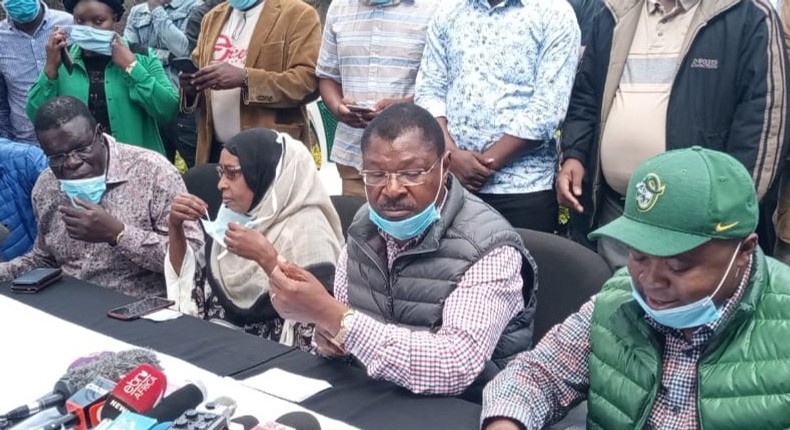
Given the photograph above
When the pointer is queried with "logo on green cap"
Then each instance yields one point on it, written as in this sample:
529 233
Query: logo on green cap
648 190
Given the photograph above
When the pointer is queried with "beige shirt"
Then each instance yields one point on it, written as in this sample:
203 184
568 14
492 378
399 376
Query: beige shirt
231 47
636 127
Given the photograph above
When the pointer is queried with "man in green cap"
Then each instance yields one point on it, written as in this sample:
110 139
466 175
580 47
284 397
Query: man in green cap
691 334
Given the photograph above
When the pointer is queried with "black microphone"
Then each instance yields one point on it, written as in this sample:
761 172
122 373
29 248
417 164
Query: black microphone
247 422
179 401
293 420
83 406
109 365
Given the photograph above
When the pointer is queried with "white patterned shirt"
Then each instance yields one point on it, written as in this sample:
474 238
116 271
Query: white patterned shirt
506 69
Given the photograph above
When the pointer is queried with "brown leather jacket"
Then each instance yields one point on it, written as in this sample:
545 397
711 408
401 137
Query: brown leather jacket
280 65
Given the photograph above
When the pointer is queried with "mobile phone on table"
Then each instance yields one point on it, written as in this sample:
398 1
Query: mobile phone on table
184 65
36 280
139 308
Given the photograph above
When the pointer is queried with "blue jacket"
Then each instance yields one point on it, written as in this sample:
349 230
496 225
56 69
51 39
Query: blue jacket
20 165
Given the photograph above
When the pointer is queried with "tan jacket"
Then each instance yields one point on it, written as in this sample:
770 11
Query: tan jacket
281 62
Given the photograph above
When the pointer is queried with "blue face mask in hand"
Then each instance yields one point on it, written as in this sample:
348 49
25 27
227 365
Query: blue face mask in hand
91 39
410 227
217 228
22 11
696 314
88 189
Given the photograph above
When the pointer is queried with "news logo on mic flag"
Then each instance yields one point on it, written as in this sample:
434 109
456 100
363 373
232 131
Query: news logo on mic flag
138 392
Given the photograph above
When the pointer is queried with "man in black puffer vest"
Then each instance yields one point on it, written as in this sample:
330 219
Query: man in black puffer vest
434 290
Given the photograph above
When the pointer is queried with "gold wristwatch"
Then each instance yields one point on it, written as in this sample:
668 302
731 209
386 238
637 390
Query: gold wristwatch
345 325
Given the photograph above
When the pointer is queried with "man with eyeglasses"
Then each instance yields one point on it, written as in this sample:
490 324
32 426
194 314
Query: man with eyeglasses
428 291
102 207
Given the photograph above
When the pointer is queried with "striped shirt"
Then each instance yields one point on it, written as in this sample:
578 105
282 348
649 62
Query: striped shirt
488 296
22 59
636 126
374 53
538 387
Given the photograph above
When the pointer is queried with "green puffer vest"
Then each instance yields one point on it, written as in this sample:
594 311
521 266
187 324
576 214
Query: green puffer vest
743 375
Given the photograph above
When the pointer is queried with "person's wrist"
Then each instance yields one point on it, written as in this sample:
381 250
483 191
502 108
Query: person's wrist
129 67
332 316
117 235
267 262
51 71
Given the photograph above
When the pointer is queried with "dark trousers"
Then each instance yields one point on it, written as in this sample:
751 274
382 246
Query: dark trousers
180 135
533 211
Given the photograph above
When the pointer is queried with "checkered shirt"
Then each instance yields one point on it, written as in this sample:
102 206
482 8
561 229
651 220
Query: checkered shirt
538 387
474 316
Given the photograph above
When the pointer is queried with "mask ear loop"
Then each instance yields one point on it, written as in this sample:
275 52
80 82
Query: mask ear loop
729 267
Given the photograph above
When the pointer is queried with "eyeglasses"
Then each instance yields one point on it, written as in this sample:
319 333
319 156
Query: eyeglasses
81 153
407 178
230 172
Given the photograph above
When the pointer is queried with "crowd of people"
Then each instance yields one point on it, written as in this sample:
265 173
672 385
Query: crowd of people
660 125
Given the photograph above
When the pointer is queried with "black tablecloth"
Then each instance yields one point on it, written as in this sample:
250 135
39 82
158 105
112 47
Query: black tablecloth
354 398
371 404
215 348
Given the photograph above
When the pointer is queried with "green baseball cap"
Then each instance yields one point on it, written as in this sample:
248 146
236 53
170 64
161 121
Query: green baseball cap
678 200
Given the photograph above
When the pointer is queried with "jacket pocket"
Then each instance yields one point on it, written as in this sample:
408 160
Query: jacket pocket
271 57
715 139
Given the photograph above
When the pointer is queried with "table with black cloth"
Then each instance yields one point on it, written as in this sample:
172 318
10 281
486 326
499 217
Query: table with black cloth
355 398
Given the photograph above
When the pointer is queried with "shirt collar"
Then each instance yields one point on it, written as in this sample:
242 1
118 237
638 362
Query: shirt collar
654 6
117 165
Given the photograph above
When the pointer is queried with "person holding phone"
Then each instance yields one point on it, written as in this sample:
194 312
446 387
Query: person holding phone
160 25
24 33
125 88
273 204
257 69
355 92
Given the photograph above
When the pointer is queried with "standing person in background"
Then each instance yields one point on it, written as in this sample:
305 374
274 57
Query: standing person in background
659 74
20 166
23 35
782 215
257 69
497 74
127 92
160 25
192 30
391 36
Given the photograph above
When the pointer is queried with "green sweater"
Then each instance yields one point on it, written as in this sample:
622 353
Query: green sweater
136 103
743 375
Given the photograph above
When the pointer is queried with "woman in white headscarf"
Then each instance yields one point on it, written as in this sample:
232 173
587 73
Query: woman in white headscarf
274 206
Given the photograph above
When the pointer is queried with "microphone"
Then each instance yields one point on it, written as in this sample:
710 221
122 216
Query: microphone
83 407
292 421
108 365
170 408
244 422
138 391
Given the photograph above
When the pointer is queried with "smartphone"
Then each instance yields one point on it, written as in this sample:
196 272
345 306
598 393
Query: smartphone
65 58
184 65
360 107
139 308
36 280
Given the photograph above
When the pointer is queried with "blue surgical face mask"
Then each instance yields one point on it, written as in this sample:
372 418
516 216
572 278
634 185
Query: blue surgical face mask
92 39
410 227
696 314
242 4
22 11
88 189
217 228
